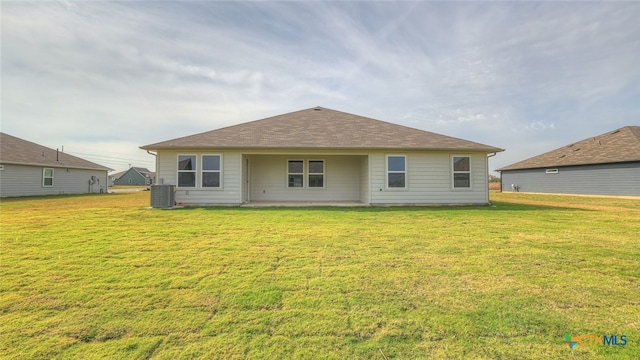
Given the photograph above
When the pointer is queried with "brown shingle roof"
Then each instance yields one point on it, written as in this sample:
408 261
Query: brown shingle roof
320 128
14 150
622 145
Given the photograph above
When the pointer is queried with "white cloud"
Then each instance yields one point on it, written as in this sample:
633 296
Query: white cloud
539 125
505 74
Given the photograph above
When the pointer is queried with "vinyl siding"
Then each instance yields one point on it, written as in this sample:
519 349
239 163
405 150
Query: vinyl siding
23 180
428 179
135 177
246 190
364 180
229 194
605 179
348 176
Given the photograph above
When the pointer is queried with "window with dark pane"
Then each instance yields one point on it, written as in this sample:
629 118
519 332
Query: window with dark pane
461 172
396 180
460 163
211 162
461 180
47 177
186 171
316 173
396 171
187 162
211 179
211 171
186 179
295 173
396 163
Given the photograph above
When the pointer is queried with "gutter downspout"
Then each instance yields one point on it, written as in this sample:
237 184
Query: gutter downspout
156 156
487 172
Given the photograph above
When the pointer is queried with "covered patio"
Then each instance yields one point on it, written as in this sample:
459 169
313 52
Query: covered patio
305 179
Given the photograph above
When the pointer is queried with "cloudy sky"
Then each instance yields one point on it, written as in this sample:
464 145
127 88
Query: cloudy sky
103 78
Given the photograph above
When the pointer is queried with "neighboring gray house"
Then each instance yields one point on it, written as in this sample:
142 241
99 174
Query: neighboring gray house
27 168
323 155
134 176
607 164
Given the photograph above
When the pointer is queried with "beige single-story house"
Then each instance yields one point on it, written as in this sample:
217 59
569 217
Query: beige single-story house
27 168
320 155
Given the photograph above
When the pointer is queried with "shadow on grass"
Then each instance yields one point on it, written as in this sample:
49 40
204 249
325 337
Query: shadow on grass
53 197
498 205
494 206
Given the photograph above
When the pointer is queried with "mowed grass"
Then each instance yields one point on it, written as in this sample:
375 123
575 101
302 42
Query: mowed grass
105 277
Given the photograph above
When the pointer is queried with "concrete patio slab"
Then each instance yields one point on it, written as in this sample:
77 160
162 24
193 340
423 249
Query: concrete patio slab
264 204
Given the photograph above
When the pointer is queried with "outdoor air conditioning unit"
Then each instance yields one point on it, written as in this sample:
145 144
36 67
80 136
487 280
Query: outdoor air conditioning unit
163 196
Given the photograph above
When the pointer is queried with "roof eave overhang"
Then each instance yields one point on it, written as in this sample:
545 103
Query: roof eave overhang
507 168
331 148
55 166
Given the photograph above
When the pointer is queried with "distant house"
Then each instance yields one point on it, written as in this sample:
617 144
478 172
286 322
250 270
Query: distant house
27 168
323 155
134 176
607 164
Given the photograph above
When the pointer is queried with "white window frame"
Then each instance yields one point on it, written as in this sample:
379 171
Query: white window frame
551 171
194 171
405 172
290 173
323 173
44 177
203 171
454 172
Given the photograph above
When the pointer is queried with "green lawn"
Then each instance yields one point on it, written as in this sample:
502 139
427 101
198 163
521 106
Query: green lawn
102 276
